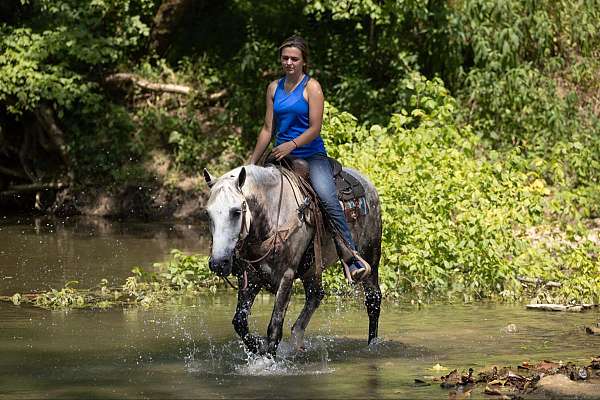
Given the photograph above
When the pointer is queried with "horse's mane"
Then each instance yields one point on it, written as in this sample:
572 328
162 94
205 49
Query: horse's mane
257 178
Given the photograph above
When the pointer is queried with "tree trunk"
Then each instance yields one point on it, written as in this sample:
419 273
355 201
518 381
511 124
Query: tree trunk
166 22
45 117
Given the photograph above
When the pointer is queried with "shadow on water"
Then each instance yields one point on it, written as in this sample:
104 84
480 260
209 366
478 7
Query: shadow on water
319 357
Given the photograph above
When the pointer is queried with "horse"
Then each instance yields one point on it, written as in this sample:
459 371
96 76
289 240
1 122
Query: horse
261 235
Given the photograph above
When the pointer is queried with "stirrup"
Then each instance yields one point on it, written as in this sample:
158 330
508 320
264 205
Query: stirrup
365 274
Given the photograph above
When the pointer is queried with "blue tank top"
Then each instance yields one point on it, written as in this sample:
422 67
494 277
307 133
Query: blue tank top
291 119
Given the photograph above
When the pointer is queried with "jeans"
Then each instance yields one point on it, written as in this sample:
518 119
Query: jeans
321 178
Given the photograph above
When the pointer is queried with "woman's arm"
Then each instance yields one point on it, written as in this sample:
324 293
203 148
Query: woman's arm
264 136
316 103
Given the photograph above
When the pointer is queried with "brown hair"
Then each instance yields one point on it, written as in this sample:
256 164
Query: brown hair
299 43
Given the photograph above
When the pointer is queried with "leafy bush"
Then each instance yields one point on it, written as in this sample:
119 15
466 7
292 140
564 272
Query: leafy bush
454 217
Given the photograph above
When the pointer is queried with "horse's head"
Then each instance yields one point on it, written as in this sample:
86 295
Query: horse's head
229 218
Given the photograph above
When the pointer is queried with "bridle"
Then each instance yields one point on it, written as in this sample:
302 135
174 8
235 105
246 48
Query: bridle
279 234
244 233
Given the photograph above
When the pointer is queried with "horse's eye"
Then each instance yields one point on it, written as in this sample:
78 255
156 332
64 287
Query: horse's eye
235 212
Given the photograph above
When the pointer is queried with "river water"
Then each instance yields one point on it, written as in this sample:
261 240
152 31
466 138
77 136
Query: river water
188 349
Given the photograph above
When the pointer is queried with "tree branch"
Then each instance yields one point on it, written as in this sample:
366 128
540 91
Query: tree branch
33 187
539 282
125 77
10 172
144 84
216 96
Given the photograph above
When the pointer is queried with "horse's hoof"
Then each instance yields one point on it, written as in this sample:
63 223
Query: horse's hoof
255 344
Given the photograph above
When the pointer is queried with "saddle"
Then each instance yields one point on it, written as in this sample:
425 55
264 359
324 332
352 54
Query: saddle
350 192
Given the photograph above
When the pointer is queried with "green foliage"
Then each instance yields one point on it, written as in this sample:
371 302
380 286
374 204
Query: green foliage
569 259
26 78
188 271
49 60
477 120
522 90
67 297
453 220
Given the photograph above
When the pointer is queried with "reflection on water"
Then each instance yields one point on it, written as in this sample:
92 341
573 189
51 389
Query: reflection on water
188 349
41 252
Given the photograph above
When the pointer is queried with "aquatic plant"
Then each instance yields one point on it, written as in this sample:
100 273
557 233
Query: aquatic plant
181 275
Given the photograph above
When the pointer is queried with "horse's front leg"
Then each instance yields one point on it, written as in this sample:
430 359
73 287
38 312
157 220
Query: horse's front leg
314 292
240 319
282 299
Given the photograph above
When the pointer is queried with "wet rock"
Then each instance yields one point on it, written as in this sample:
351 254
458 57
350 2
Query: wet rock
592 330
561 387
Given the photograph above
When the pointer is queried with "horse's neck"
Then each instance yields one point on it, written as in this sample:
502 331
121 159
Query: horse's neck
272 208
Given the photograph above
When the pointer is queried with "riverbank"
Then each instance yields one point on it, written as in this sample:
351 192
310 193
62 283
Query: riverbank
182 201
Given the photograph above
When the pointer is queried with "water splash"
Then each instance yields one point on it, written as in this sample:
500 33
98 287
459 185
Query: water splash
232 358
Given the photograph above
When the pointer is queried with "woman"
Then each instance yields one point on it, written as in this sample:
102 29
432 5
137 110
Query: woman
297 102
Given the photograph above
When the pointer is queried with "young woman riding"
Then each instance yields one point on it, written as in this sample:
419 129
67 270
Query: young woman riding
297 102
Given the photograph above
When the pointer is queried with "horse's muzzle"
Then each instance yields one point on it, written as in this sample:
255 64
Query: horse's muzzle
221 266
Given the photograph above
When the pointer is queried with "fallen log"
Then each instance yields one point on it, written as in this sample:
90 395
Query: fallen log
561 307
13 173
125 77
145 84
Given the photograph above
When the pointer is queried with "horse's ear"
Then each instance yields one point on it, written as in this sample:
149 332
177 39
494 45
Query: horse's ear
242 178
210 181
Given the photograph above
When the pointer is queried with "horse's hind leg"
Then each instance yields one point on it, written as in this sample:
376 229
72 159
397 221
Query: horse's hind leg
373 303
314 294
240 319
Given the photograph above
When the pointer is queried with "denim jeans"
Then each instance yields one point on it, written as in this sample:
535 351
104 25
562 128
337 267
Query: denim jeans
321 178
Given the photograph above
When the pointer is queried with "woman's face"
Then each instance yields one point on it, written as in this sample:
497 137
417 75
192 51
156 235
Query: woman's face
291 60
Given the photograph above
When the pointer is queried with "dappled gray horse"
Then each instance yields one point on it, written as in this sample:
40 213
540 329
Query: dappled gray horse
259 235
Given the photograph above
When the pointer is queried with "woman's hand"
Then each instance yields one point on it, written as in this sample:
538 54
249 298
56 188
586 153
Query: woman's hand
283 150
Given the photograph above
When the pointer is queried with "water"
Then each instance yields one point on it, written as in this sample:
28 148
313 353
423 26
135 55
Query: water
188 349
39 253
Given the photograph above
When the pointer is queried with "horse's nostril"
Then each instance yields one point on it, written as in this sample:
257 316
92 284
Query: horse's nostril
221 267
